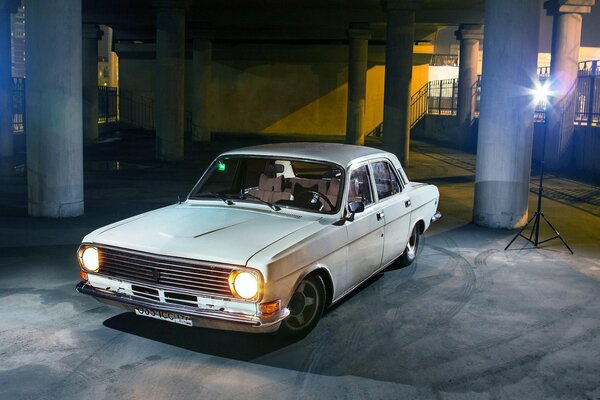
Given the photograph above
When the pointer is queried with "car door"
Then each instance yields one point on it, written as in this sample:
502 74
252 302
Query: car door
365 232
395 206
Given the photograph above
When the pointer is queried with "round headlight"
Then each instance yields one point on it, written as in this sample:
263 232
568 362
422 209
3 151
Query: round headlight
245 285
89 259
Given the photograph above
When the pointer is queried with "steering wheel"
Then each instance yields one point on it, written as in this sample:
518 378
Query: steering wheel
319 195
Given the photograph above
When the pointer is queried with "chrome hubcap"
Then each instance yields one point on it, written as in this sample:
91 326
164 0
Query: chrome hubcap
411 246
303 305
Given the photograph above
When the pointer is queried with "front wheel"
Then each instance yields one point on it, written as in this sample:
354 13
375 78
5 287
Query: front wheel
410 252
306 307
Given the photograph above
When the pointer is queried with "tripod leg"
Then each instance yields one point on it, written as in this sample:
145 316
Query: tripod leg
519 233
557 234
533 227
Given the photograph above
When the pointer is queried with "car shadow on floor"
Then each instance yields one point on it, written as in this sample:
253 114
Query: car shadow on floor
234 345
239 346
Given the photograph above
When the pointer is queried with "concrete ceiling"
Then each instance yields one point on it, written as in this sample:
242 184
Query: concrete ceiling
276 20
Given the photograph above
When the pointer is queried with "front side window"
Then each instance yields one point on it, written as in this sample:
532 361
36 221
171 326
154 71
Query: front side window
306 185
386 181
359 188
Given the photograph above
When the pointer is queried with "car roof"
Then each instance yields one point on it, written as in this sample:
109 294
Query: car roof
342 154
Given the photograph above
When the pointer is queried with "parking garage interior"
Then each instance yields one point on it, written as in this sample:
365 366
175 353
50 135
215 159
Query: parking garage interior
113 108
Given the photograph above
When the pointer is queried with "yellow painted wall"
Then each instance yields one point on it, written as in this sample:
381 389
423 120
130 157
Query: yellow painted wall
287 96
327 114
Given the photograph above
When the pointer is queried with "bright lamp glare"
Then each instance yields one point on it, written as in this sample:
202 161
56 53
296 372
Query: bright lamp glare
89 259
246 285
541 93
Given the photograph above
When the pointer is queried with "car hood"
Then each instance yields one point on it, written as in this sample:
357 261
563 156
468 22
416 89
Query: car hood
225 234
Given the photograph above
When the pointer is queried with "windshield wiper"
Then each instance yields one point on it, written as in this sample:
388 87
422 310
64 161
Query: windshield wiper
217 195
271 205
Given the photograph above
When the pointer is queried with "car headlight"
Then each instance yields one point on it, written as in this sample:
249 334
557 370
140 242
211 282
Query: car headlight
89 259
244 284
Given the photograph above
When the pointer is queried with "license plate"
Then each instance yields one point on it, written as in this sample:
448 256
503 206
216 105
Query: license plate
164 315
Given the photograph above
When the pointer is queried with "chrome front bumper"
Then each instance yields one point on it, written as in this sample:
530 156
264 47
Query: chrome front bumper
214 319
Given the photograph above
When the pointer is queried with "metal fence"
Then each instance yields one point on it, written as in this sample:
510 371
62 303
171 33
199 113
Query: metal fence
587 103
18 119
442 97
136 111
108 104
444 60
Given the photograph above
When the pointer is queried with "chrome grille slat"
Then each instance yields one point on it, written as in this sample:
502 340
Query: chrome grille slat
172 272
167 276
165 265
108 261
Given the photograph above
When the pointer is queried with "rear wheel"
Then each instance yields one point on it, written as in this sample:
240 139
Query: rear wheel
410 252
306 307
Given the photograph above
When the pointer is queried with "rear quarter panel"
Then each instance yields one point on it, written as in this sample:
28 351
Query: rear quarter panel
424 199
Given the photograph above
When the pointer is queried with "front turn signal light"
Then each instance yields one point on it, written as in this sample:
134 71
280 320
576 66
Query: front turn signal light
267 309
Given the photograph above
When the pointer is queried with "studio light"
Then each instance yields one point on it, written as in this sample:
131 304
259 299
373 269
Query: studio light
541 94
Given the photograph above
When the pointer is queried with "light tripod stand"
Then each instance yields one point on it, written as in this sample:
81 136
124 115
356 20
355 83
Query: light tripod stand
541 95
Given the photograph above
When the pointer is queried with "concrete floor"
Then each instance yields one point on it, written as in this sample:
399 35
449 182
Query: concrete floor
466 321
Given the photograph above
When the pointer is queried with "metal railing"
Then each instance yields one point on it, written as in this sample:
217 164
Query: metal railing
108 104
18 119
436 97
587 102
418 105
136 111
442 97
444 60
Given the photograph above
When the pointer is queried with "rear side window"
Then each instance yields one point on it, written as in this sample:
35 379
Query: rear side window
386 181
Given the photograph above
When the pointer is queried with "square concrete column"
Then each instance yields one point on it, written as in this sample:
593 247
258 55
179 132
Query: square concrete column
6 85
566 37
201 75
91 33
54 108
503 167
398 76
358 54
170 71
469 36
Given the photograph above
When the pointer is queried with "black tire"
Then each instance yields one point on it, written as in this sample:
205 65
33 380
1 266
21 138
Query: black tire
306 307
412 247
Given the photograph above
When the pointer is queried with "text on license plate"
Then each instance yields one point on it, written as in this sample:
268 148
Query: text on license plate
164 315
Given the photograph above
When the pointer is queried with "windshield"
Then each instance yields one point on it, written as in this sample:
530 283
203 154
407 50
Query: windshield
276 183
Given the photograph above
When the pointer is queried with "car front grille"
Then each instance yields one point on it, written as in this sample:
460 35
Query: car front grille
165 272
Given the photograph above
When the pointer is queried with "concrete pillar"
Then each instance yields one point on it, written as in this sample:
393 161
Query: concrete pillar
469 36
566 36
510 49
358 54
398 76
90 34
6 86
201 75
170 70
54 108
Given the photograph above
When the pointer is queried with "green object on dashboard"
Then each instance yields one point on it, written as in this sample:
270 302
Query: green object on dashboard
221 166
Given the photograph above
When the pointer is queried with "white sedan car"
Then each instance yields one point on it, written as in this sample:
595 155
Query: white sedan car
268 238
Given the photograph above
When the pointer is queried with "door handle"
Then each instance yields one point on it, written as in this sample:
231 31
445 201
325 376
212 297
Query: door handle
407 203
380 215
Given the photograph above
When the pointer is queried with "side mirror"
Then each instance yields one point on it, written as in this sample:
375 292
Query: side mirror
355 207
